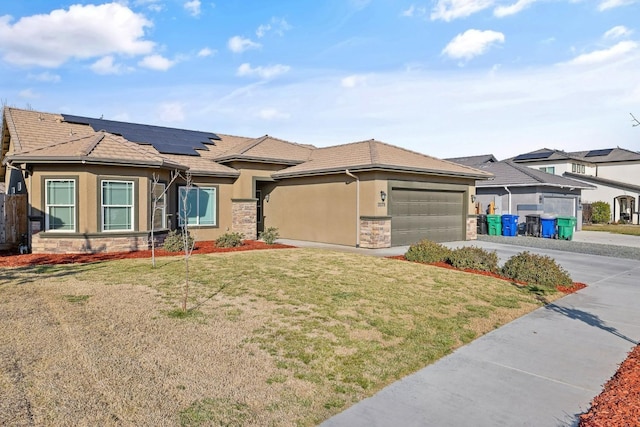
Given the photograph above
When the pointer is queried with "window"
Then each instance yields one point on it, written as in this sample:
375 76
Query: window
549 169
60 205
576 168
200 205
160 197
117 205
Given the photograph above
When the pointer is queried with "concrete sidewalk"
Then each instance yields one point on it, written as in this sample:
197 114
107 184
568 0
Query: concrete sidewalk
542 369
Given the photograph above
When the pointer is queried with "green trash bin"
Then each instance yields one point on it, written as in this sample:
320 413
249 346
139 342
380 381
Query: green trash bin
566 224
494 225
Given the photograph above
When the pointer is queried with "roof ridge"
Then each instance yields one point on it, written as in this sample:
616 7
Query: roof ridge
96 140
57 144
524 169
373 151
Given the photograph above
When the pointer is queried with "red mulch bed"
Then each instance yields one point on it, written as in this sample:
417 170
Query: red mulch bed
12 260
619 402
564 289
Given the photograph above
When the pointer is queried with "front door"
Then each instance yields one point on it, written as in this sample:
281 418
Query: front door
260 212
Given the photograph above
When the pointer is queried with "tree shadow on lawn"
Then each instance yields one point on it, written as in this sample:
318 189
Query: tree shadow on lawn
588 318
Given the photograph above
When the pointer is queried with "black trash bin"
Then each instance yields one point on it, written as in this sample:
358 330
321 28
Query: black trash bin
533 225
482 224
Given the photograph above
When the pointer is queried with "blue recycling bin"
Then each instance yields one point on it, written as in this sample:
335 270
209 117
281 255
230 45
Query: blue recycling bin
548 226
510 225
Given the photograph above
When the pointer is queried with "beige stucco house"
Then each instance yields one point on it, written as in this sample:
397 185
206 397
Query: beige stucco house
89 185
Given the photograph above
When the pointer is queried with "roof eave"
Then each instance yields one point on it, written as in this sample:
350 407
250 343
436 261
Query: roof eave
386 168
93 161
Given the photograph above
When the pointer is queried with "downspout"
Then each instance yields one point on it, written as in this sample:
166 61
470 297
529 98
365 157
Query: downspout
509 198
357 206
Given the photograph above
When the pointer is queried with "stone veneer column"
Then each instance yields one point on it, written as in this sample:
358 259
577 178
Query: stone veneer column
244 217
375 232
472 227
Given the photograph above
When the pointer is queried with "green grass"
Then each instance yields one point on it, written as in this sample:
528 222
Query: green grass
633 230
345 324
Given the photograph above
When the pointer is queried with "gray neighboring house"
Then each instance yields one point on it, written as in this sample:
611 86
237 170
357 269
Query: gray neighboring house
519 190
613 171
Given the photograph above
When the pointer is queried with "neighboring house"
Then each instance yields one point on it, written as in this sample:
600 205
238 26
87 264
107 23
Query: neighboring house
518 190
89 184
613 171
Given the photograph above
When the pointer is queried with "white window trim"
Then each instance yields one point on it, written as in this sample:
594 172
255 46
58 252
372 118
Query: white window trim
132 206
161 210
181 189
47 205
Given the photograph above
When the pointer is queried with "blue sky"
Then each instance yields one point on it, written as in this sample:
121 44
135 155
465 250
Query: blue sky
446 78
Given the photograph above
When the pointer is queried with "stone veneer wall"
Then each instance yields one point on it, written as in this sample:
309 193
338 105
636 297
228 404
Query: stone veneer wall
375 232
73 245
244 217
472 227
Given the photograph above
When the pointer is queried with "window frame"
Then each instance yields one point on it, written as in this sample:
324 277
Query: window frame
47 205
162 209
214 201
132 207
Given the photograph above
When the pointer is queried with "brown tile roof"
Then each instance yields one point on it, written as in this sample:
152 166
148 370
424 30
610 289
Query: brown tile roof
376 155
100 147
46 137
267 149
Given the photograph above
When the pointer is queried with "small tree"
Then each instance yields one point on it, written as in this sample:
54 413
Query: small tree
634 122
187 243
600 212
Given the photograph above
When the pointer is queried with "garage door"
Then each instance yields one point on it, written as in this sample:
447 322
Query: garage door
418 214
559 206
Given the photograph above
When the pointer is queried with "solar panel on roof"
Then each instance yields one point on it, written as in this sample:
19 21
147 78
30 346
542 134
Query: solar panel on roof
165 140
534 156
598 153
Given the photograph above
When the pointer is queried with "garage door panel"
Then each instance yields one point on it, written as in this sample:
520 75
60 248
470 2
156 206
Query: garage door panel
559 206
426 214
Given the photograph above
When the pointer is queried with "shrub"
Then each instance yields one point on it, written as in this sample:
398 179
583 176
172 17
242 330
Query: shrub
427 251
537 270
600 212
474 258
174 241
230 240
269 235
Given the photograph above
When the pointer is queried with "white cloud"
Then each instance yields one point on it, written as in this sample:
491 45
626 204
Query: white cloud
618 51
45 77
171 112
517 7
618 32
29 94
414 11
106 65
611 4
359 4
239 44
273 114
353 81
262 72
448 10
156 62
204 52
153 5
79 32
193 7
276 25
472 43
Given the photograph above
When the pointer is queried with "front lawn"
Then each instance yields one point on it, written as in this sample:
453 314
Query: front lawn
276 337
631 229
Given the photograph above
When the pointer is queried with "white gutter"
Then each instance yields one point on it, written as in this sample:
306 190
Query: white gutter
357 206
507 188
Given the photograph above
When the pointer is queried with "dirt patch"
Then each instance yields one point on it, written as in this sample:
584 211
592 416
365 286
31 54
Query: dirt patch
619 403
12 260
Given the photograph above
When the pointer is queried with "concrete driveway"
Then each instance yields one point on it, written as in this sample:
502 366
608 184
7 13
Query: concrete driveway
540 370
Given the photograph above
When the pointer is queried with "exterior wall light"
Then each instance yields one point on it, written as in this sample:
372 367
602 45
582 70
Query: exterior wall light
473 198
266 198
383 196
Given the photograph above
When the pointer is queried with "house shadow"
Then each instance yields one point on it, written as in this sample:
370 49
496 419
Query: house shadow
588 318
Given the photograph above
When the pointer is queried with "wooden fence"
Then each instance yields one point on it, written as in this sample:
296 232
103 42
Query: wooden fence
13 219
